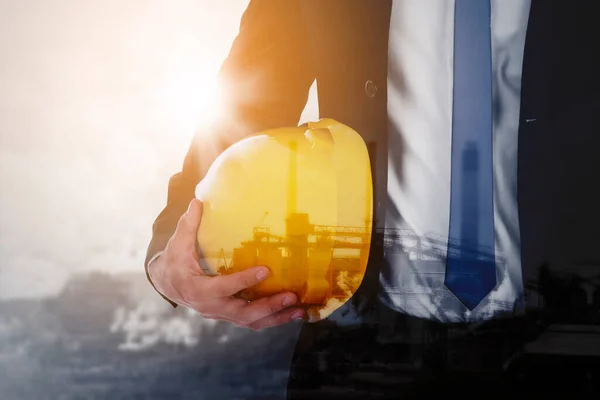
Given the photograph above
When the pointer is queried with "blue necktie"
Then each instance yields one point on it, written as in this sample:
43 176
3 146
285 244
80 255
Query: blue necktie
470 263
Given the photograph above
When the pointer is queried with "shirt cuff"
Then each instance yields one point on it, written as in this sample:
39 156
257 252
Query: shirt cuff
154 257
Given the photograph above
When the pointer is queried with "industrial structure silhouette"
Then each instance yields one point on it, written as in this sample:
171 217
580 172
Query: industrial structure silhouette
322 262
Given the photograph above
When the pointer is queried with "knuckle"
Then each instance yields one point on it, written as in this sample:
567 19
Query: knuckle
244 282
276 304
180 228
182 220
249 279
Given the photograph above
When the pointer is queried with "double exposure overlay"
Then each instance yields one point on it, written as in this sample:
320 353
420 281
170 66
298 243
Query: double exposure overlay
298 200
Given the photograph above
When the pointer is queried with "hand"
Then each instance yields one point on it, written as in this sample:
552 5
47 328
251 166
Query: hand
176 273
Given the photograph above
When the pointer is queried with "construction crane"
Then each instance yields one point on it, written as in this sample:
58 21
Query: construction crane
261 220
308 257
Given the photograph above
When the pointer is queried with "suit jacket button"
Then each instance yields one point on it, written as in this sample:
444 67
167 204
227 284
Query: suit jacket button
371 89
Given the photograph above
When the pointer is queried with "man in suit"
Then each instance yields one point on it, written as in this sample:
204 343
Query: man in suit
480 117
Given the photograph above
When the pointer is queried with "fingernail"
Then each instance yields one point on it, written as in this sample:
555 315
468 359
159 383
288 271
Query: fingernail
298 315
262 274
288 301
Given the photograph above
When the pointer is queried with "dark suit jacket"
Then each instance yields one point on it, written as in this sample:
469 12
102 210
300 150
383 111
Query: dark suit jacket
283 46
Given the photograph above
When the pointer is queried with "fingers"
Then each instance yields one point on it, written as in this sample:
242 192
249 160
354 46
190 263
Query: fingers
212 296
188 224
228 285
272 311
248 313
282 317
262 313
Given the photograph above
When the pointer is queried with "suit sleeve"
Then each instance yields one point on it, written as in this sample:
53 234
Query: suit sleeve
264 84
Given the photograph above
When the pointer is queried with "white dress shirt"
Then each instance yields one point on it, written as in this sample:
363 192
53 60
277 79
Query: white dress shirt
420 93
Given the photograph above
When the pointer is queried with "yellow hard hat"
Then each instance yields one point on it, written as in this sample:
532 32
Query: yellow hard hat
297 200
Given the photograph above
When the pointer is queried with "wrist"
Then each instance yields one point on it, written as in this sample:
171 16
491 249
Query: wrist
153 276
152 267
156 275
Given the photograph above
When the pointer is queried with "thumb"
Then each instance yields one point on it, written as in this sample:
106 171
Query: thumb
194 214
188 224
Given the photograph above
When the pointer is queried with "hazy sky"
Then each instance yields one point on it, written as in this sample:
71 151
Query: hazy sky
98 102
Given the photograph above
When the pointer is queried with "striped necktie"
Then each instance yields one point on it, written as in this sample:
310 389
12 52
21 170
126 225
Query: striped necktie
470 263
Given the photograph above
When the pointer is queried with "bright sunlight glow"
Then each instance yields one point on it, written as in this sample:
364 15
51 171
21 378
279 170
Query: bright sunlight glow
191 99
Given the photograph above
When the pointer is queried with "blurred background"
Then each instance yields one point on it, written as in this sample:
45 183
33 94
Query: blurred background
98 104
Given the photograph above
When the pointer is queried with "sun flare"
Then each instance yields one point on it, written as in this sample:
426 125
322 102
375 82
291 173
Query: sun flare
191 100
